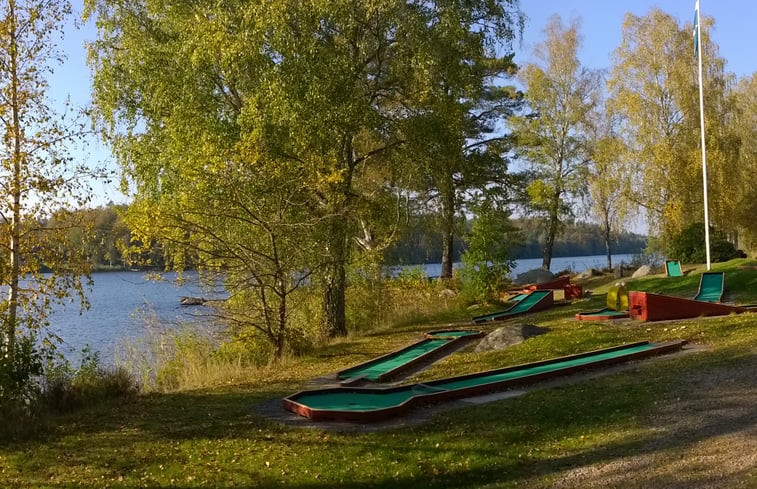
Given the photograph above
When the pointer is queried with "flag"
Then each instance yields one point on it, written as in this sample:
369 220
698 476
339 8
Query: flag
696 29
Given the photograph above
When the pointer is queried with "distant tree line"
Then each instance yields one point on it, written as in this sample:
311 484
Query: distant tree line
419 243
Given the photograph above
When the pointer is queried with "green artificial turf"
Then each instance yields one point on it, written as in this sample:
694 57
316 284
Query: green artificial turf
605 312
373 370
524 305
673 268
711 287
366 401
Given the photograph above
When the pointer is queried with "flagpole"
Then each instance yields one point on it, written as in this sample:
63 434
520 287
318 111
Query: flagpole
698 28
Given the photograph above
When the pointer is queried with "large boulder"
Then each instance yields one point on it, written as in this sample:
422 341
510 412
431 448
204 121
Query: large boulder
535 276
510 335
642 271
588 273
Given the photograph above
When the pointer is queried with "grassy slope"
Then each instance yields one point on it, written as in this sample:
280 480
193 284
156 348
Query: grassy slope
213 438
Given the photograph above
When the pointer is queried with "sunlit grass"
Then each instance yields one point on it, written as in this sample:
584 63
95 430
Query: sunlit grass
213 437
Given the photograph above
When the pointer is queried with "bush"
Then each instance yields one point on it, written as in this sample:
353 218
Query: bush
487 261
19 380
689 246
67 388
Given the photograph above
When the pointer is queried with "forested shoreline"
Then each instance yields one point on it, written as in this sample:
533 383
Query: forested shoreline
106 237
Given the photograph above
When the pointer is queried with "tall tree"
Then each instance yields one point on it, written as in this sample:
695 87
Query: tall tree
38 178
608 181
328 86
561 94
654 92
745 126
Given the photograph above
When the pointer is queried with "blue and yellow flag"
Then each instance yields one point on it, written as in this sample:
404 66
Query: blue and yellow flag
696 29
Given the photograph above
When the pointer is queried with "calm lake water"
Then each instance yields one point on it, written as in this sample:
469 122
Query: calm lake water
128 306
574 263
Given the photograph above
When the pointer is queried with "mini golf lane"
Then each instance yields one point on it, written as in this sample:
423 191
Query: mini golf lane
602 314
537 300
393 364
365 405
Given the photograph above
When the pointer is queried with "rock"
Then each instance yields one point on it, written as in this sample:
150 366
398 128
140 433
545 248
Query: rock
192 301
447 294
588 273
535 276
642 271
506 336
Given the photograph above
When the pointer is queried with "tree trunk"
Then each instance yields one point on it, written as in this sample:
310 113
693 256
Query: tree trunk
608 244
281 334
554 222
336 285
549 243
448 231
15 228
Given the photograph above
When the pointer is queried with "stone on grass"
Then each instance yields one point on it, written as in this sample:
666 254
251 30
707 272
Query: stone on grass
642 271
535 276
510 335
588 273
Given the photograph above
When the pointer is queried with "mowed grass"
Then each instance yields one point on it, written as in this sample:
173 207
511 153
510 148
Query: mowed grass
214 438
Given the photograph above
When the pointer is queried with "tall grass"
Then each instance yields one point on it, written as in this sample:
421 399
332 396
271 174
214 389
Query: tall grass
375 302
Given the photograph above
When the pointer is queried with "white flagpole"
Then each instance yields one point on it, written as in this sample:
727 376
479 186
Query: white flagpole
701 123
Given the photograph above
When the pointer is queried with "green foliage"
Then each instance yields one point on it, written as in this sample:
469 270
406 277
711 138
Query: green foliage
554 137
487 260
19 375
67 388
656 99
689 245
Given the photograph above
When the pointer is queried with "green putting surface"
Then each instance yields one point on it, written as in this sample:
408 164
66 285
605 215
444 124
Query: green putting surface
710 287
517 298
673 268
604 312
373 370
524 305
367 401
453 334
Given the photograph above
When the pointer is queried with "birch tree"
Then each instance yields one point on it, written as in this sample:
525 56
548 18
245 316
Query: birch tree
39 180
561 95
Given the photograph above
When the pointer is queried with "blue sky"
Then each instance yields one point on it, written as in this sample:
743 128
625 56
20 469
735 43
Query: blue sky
601 22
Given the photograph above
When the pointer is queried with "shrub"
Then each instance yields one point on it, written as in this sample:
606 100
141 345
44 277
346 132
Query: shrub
487 262
67 388
19 380
689 245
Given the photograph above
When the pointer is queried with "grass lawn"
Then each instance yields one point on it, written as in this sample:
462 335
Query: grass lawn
687 420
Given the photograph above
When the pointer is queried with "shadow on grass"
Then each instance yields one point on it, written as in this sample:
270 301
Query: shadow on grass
214 436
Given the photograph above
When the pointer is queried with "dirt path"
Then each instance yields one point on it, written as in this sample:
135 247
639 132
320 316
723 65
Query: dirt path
706 439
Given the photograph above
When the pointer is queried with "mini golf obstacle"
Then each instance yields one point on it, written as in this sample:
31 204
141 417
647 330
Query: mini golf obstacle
361 405
571 291
617 306
711 285
384 368
537 300
647 306
673 268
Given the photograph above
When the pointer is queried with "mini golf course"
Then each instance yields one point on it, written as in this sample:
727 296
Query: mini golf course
602 314
381 369
537 300
361 405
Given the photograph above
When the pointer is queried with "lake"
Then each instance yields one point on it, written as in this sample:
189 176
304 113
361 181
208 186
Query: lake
560 263
127 305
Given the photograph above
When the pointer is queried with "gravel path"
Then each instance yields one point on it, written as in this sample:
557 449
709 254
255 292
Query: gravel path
707 439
